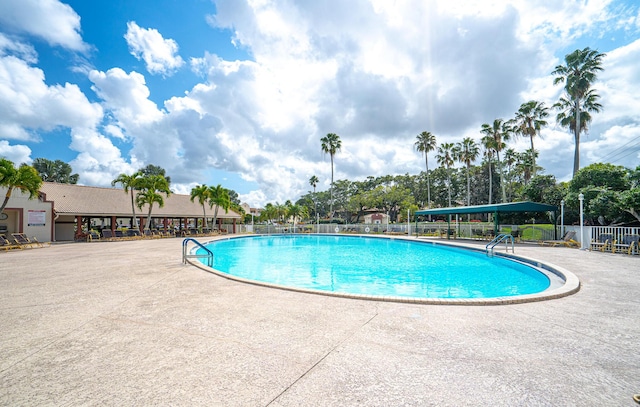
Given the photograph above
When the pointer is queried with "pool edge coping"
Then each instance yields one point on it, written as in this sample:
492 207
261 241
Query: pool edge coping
571 281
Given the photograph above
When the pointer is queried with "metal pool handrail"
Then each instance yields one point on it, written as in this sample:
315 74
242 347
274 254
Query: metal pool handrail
499 239
208 255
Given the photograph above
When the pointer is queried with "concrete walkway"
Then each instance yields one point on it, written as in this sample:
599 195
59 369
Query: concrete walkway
125 323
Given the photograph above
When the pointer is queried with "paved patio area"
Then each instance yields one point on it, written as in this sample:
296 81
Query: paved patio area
126 323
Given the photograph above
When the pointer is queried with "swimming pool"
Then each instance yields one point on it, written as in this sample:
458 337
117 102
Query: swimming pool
376 268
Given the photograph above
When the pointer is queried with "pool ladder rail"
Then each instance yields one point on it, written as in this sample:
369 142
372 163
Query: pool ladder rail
503 237
208 254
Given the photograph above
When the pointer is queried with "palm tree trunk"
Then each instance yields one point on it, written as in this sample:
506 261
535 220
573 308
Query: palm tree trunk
133 210
204 212
449 185
6 199
576 153
468 185
215 217
426 159
490 184
331 189
502 183
148 225
533 157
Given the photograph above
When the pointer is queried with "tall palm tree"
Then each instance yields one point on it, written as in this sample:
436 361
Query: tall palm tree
331 144
151 188
129 183
509 160
24 178
487 144
445 159
529 120
566 117
201 193
467 152
219 197
578 75
524 165
426 142
500 131
313 181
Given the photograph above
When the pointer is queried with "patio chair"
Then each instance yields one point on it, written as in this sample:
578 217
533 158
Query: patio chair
166 233
603 242
629 244
567 241
119 235
107 234
133 234
6 244
93 236
23 240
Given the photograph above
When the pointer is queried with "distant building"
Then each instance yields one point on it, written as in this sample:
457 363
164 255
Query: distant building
249 210
376 218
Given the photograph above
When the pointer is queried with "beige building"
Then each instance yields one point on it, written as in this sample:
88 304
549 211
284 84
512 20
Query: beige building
376 218
33 217
63 211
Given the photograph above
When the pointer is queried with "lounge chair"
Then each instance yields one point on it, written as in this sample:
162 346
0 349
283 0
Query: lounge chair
629 244
6 244
567 241
23 240
603 242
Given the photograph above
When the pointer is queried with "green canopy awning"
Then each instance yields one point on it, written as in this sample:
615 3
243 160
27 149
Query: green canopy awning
494 208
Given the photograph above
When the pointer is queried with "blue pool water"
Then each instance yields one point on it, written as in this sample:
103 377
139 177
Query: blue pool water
374 267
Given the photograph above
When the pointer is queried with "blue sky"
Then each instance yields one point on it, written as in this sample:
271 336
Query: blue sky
239 92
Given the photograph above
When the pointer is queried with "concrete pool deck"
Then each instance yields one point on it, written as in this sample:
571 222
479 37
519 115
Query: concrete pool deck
126 323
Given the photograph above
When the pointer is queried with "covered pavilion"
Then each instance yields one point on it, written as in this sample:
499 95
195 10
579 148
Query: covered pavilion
495 209
75 206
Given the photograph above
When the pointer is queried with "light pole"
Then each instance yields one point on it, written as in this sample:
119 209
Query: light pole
581 198
562 218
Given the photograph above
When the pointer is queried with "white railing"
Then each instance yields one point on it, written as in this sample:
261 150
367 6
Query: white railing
458 230
618 233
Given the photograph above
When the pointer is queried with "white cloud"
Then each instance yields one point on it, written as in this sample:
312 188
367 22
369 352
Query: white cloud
55 22
99 161
18 154
159 54
29 104
21 50
125 94
375 72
